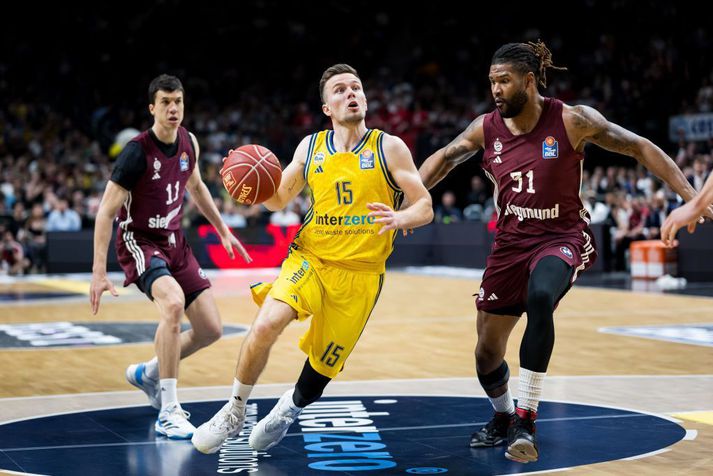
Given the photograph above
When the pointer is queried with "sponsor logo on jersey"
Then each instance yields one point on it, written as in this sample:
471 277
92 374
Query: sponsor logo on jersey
366 159
536 213
162 222
156 168
550 148
184 162
318 159
566 251
344 220
497 146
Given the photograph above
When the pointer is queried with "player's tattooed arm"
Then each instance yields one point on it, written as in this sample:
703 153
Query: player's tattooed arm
586 125
463 147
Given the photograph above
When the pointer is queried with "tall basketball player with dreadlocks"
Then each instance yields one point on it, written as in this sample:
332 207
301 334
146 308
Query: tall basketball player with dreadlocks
533 150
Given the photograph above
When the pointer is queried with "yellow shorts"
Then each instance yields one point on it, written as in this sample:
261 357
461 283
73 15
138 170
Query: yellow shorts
339 302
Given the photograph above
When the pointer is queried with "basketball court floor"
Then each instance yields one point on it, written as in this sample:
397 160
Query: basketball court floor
629 390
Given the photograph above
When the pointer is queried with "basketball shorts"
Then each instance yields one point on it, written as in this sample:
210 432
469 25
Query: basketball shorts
135 251
338 301
503 289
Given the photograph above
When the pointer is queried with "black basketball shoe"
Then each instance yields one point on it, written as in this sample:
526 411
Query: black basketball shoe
493 434
522 444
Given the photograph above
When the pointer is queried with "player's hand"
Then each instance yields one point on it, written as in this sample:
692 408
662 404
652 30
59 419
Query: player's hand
385 215
685 215
229 242
100 283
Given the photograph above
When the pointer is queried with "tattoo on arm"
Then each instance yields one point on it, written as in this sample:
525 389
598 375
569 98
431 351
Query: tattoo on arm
604 133
292 185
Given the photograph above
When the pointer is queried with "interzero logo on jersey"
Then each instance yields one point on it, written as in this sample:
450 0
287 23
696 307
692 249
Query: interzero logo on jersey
341 436
344 220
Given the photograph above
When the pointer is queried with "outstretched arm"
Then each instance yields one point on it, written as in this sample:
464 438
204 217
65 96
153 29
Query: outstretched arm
293 180
688 214
585 124
206 205
114 196
402 169
463 147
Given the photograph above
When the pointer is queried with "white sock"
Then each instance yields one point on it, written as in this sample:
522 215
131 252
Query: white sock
530 389
169 396
151 368
503 403
241 393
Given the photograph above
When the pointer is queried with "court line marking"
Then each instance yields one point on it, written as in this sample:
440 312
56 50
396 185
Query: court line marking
402 428
349 382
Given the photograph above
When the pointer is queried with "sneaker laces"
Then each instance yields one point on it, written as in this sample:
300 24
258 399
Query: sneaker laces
225 420
177 411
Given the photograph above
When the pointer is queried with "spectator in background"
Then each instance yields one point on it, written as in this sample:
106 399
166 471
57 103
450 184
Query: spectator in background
231 213
287 216
447 212
13 261
479 193
698 175
35 232
654 218
63 218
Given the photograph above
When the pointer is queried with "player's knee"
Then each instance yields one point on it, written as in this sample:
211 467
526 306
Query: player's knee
265 330
540 298
210 333
172 307
488 355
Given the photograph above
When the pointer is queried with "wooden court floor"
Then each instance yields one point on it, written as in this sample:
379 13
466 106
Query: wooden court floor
420 338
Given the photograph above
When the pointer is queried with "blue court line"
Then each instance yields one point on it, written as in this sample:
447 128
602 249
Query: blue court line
402 428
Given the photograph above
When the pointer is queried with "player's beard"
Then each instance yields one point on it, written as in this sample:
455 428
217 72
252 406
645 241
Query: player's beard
515 105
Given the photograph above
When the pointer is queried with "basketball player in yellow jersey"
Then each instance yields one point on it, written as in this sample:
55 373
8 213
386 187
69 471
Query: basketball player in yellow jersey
335 267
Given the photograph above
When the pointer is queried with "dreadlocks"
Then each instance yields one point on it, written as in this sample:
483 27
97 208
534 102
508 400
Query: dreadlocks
526 57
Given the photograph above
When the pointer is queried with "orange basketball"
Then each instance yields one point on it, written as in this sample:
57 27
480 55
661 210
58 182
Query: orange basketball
251 174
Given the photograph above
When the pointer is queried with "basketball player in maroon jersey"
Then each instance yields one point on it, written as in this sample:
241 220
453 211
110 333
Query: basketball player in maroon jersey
146 190
533 150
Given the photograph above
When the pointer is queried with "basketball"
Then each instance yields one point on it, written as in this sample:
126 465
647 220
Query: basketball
251 174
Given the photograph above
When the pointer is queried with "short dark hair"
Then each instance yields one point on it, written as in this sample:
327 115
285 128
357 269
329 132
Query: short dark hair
527 57
164 82
334 70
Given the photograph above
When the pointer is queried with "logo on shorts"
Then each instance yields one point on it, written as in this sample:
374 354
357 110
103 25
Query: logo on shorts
566 251
294 296
366 160
201 273
300 273
497 146
156 168
184 162
492 297
550 148
481 294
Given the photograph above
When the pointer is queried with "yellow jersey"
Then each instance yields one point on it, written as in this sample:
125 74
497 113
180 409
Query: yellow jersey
336 229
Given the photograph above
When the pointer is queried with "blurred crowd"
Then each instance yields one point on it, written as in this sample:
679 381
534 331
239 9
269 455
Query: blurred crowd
55 157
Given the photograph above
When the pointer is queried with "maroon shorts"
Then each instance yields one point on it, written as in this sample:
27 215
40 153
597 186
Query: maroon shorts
135 251
503 289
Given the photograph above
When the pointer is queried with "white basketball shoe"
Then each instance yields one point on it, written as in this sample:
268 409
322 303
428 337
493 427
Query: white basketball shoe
228 422
136 376
173 423
270 430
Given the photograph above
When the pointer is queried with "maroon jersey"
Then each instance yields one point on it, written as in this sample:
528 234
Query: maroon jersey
537 176
154 205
